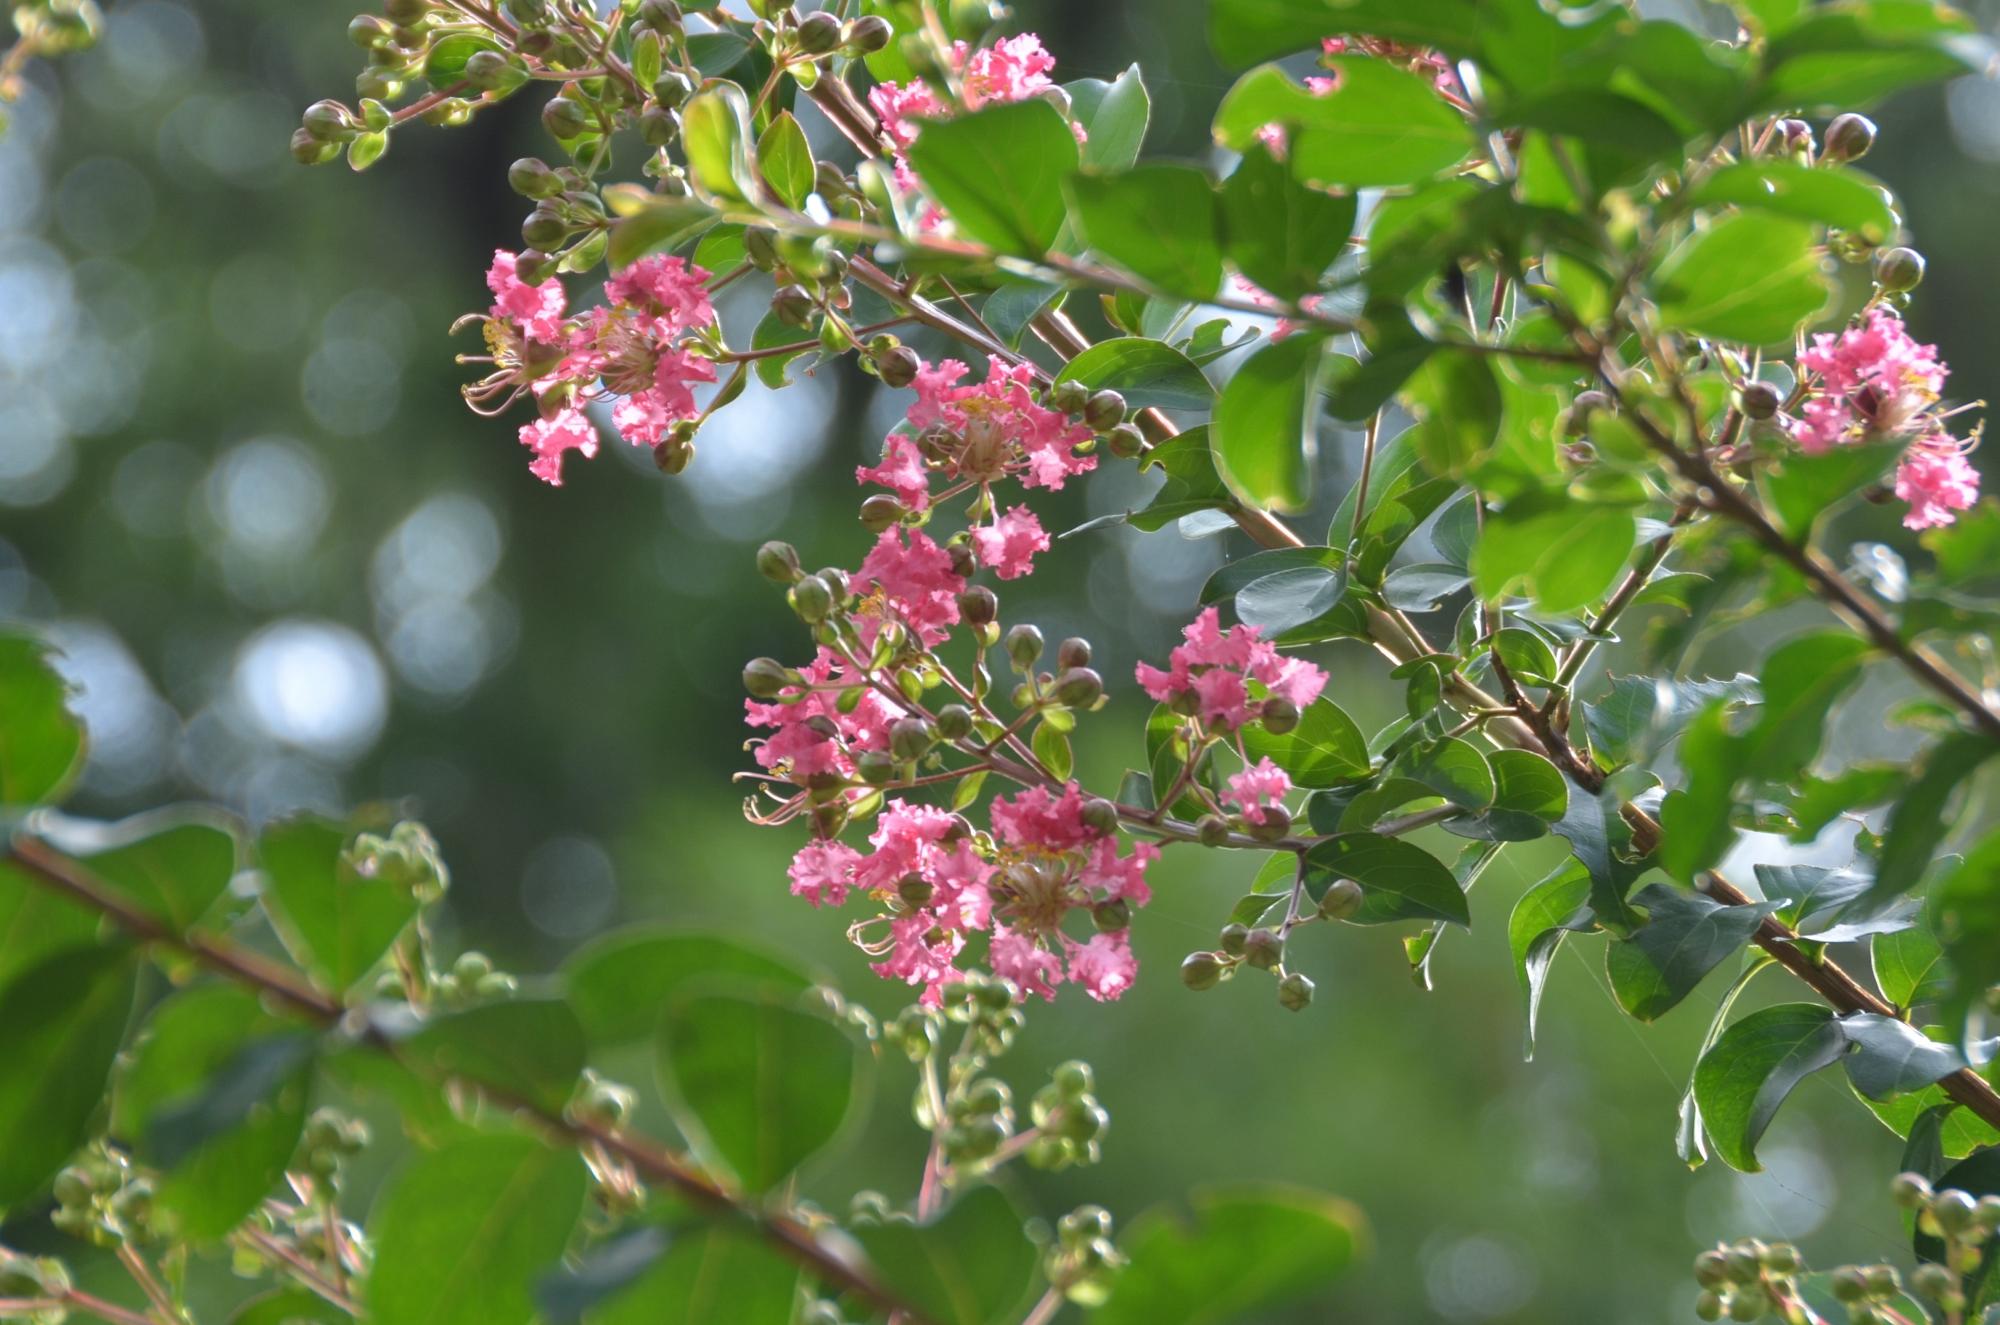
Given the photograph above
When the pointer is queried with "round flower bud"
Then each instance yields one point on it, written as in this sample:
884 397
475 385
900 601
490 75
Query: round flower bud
1233 939
1796 135
1899 269
898 366
1104 411
911 738
1782 1258
672 88
1263 949
1342 900
1849 1284
836 580
490 70
1849 137
963 563
1211 830
1954 1211
1933 1281
1111 916
1882 1280
531 178
1099 815
1986 1214
1279 715
875 767
1201 970
880 511
1909 1190
1084 1121
812 600
1274 822
675 453
1711 1269
1758 400
565 118
1709 1306
662 16
404 12
1750 1304
368 31
659 126
328 122
765 678
1295 992
544 229
1069 397
1125 441
954 722
73 1187
1079 687
868 34
978 606
1024 645
1073 1078
778 561
915 889
310 151
1073 652
792 305
818 33
1745 1261
761 248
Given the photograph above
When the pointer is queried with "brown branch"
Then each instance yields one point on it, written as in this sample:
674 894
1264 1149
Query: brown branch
285 987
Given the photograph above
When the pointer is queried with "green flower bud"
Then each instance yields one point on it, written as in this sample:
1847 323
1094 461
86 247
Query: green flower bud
1100 815
1709 1305
818 33
989 1095
761 247
1883 1280
875 767
328 122
915 889
1279 715
812 600
779 562
911 738
1899 269
1104 410
1711 1269
1111 916
1849 137
1211 830
676 451
306 149
1079 687
1342 900
1069 396
836 580
1986 1214
1295 992
766 678
1849 1284
493 71
1954 1211
367 31
963 563
73 1187
659 126
1749 1304
1274 822
978 606
1125 441
880 511
1745 1261
868 34
898 366
1024 646
793 305
1759 400
565 118
662 16
545 228
1263 949
1909 1190
1933 1281
672 88
1201 970
1073 1079
531 178
1233 939
1782 1258
954 722
1084 1120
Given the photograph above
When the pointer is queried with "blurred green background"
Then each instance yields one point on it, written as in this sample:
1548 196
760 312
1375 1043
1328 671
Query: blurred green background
290 570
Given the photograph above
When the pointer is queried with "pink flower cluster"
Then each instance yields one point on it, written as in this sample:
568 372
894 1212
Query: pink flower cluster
1041 863
1212 674
1873 381
632 348
811 736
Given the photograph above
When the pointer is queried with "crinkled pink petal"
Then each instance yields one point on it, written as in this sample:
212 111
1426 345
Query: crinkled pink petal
1019 957
1262 783
566 430
1008 546
1105 966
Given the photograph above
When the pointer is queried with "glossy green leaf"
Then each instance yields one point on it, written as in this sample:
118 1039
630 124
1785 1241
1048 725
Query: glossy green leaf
1290 605
661 225
1753 1066
1801 490
1324 750
444 64
1892 1057
1247 1250
1529 794
1801 680
1640 715
713 1275
1910 966
37 922
1811 897
1264 433
1114 117
971 1265
1399 880
1148 373
1686 935
715 134
41 740
999 172
1564 554
1923 816
1547 914
61 1021
1157 221
1421 588
215 1096
1526 655
1453 768
337 923
756 1084
1379 126
1754 277
1830 194
1966 902
464 1233
1245 31
1845 55
1696 816
785 160
619 984
532 1048
1282 235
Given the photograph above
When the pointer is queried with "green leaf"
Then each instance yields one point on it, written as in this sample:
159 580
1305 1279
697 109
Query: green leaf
445 62
1800 681
1833 195
785 159
215 1096
1892 1057
1642 714
1801 490
1547 914
1192 483
336 923
530 1047
971 1265
1148 373
1753 1066
1399 880
464 1233
1845 55
662 224
1453 768
619 984
715 133
1526 655
1378 127
1696 817
1248 1250
1920 820
1564 554
1754 277
1909 966
173 864
1290 606
1279 233
1624 136
754 1083
1812 897
1052 748
774 370
1264 433
1113 116
1015 303
1967 904
1529 794
717 1275
289 1306
1324 750
999 172
1245 31
41 741
1421 588
37 922
1157 221
61 1021
1686 935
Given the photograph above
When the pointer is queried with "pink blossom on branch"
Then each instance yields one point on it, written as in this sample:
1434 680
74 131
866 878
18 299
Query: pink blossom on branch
550 438
1216 667
1008 546
1262 783
536 309
1938 482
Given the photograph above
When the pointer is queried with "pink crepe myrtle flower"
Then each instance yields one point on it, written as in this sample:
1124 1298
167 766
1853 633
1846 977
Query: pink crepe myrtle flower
537 310
921 954
822 872
550 438
901 105
1215 668
668 288
1104 966
916 580
1262 783
1035 819
810 734
1012 69
1008 546
1017 956
995 428
902 471
1938 481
